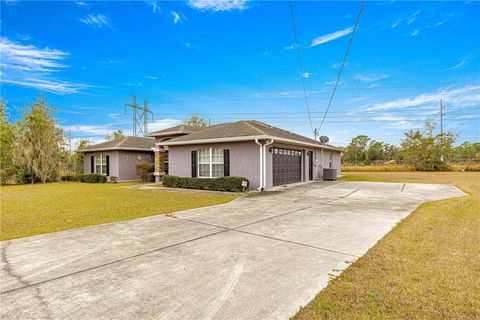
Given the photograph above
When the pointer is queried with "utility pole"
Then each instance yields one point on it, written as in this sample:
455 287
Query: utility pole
139 117
441 130
315 134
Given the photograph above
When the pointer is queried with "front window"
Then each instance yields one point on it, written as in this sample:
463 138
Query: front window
101 164
210 163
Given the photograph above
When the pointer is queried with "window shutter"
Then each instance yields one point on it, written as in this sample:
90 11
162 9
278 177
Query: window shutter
108 165
194 164
92 164
226 162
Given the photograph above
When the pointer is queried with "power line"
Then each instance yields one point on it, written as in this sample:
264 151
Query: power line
242 92
295 98
343 64
299 60
352 113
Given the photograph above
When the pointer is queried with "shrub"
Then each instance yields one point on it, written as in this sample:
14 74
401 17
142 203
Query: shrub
92 178
233 184
24 177
89 178
68 177
145 171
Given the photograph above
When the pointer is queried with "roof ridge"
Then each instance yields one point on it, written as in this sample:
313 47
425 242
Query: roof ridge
124 139
251 125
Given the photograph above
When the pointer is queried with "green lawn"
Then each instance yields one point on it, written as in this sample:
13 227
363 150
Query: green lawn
427 267
28 210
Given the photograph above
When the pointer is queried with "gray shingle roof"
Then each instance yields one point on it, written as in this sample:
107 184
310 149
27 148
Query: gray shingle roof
180 129
244 128
127 143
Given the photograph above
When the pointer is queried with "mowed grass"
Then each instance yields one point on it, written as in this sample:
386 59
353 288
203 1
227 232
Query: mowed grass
427 267
28 210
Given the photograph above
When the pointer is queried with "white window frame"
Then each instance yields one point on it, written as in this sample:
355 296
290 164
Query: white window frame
210 163
102 163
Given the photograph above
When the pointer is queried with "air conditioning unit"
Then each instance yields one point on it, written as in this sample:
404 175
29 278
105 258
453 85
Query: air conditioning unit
329 174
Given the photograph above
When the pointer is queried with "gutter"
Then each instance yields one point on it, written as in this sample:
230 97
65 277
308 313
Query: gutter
265 162
260 148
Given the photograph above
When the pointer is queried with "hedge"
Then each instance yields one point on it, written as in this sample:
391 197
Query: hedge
89 178
233 184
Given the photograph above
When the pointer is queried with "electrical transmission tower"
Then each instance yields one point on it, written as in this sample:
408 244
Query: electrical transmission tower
139 117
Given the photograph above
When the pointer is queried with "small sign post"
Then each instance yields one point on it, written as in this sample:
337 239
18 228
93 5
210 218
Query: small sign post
244 185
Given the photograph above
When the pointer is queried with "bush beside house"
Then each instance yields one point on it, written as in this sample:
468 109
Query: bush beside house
232 184
89 178
145 171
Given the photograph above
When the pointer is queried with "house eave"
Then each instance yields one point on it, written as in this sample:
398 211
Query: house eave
246 138
114 149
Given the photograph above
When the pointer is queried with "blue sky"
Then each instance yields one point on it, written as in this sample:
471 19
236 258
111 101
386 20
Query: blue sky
236 60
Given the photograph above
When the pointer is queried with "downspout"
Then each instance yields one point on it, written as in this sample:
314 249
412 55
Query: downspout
260 148
265 162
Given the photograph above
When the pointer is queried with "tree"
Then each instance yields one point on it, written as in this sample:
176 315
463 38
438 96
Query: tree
467 152
7 139
424 149
115 135
357 149
375 151
196 121
40 146
392 152
76 159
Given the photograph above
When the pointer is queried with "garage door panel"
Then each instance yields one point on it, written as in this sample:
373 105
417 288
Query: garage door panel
287 166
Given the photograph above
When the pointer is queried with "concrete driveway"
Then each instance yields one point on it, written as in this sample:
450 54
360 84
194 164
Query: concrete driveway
258 257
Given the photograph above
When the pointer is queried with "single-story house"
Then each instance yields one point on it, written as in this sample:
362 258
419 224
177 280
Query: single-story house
267 156
118 157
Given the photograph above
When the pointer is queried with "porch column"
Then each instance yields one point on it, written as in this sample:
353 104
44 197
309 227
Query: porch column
159 164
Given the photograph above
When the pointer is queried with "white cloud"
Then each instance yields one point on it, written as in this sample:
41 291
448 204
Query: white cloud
306 75
29 66
458 97
218 5
459 65
176 17
82 3
163 124
267 53
331 36
154 5
97 20
151 77
48 85
289 47
408 20
188 44
79 129
415 33
441 22
371 78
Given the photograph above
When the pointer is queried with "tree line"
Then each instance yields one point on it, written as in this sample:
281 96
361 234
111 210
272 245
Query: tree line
424 149
35 149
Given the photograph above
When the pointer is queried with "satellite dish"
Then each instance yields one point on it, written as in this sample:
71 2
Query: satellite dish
324 139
